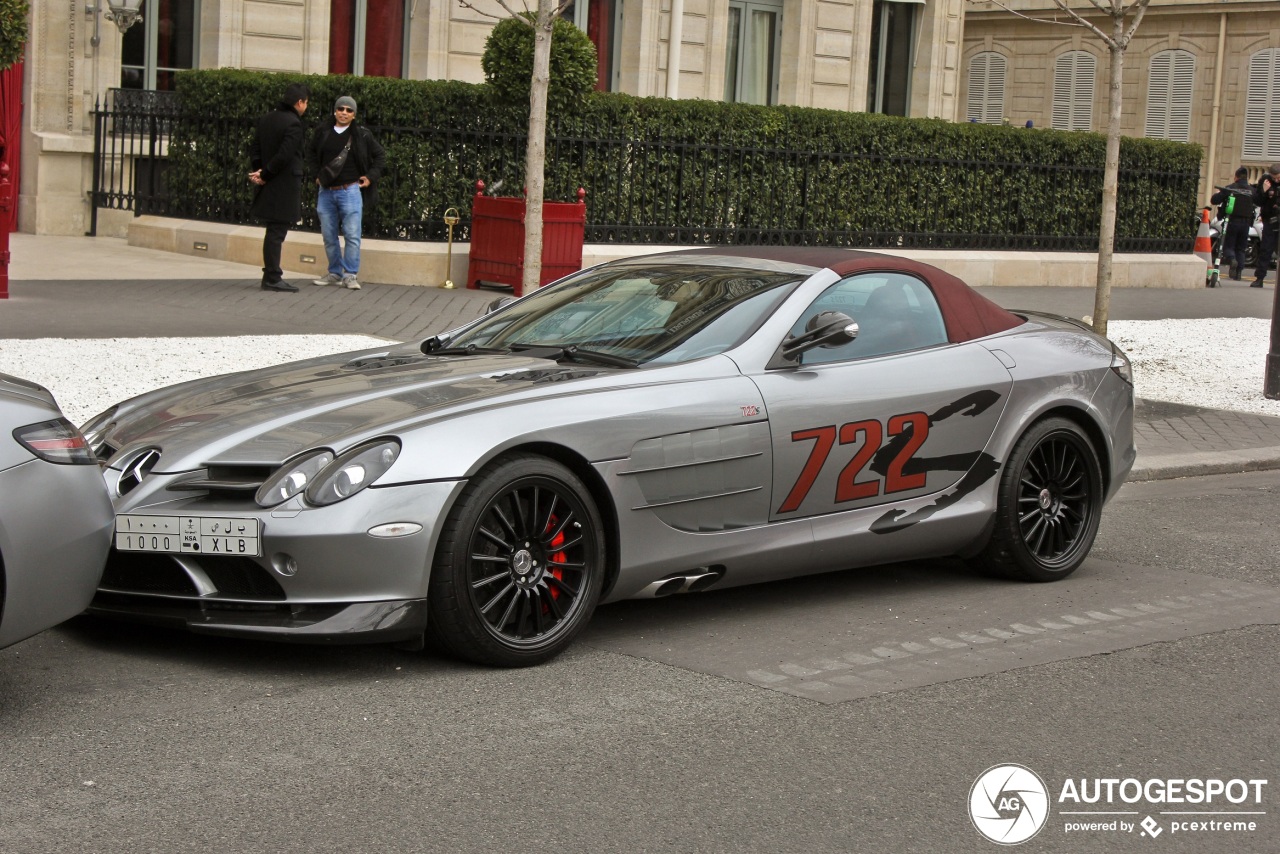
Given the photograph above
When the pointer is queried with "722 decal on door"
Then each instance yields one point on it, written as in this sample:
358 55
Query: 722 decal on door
868 435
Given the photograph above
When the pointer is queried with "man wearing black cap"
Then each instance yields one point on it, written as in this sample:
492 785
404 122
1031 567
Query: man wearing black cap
1235 237
1267 197
347 161
276 155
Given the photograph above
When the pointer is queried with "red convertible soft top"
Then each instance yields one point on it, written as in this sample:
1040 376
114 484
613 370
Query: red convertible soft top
966 313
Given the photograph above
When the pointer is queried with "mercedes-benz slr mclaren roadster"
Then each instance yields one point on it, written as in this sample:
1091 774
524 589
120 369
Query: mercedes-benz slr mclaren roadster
670 423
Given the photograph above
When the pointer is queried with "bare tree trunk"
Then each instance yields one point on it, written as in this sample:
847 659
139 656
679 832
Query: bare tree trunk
536 151
1110 181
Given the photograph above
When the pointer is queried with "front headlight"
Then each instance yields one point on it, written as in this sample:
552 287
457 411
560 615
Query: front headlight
292 478
353 471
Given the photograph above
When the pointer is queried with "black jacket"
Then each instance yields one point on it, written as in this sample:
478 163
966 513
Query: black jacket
369 156
1243 191
277 150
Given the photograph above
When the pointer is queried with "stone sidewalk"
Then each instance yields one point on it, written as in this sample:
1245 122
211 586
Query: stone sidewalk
103 288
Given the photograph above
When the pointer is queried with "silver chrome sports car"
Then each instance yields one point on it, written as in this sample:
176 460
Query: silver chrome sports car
669 423
55 517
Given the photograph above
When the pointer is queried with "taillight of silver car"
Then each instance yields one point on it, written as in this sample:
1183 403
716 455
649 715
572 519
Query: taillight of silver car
1120 364
56 441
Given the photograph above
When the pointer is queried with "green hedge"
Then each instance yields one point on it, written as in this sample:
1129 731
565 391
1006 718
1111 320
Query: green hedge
658 170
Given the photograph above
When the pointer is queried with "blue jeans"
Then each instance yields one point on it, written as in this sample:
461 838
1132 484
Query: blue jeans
341 211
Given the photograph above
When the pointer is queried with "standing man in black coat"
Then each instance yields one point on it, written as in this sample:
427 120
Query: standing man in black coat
1267 197
276 155
1235 237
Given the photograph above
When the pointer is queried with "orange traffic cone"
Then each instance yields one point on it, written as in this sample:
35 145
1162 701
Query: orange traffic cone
1204 244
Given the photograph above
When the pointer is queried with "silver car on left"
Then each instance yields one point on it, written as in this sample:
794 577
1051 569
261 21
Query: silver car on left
56 520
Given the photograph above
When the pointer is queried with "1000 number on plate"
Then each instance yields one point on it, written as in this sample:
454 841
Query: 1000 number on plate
211 535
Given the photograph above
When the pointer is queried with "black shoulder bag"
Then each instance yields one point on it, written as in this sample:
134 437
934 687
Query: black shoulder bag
331 170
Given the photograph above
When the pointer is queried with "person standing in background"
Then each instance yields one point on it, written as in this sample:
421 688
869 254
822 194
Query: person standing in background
1235 235
348 162
276 156
1267 197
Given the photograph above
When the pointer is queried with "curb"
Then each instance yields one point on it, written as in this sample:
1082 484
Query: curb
1169 466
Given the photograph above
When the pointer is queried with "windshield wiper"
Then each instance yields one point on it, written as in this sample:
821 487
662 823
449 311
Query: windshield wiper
574 353
470 350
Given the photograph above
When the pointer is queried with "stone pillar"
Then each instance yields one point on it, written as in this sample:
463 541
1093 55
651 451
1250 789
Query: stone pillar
57 128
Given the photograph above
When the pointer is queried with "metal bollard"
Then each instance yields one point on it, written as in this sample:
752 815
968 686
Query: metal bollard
450 219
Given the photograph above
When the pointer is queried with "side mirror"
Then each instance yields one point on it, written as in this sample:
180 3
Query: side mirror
500 302
827 329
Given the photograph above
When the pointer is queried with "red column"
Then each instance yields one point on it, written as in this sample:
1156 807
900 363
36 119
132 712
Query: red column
6 203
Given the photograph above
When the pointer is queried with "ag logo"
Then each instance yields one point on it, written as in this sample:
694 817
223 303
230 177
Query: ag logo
1008 804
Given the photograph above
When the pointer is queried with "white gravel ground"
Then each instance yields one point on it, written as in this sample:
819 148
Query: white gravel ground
1216 363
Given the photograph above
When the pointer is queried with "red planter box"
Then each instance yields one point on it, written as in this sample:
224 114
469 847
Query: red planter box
497 239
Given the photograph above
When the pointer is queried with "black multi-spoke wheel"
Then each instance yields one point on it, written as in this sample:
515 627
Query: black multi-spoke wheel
519 567
1050 501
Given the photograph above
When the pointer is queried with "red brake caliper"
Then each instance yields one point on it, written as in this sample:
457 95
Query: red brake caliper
555 556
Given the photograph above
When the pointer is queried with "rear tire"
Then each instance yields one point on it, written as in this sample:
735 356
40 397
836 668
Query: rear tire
519 566
1049 505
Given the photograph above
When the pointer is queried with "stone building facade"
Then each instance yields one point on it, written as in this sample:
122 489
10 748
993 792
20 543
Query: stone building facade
893 56
1202 72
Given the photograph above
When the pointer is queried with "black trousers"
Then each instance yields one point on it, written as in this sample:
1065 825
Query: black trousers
272 242
1235 241
1268 247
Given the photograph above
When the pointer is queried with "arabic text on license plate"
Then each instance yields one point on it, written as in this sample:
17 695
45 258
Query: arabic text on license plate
188 535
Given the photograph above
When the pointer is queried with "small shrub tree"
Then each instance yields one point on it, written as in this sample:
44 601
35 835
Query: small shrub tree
508 63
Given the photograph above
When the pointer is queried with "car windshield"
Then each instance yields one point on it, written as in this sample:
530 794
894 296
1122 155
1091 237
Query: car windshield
659 313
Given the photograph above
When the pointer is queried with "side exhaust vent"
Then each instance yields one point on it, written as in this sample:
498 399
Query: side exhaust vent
683 582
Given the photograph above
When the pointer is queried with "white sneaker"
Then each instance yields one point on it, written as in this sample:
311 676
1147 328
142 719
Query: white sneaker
349 282
330 279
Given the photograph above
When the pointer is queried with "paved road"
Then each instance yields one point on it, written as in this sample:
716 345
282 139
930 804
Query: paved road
125 738
129 308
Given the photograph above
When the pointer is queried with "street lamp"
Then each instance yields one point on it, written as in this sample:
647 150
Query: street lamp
125 13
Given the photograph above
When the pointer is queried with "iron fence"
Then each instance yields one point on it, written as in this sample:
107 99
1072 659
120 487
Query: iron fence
151 157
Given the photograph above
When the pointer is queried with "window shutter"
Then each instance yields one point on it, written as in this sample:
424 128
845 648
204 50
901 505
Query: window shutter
986 88
1261 113
1170 83
1158 95
1082 95
1073 79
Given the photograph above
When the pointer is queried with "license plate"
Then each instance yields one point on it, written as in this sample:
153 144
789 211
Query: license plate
206 535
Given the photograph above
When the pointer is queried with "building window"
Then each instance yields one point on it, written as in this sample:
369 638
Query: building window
1073 76
368 37
599 19
1262 107
1170 79
751 55
893 47
986 88
164 43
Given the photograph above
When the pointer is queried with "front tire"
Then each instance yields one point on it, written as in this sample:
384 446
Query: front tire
519 567
1049 504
